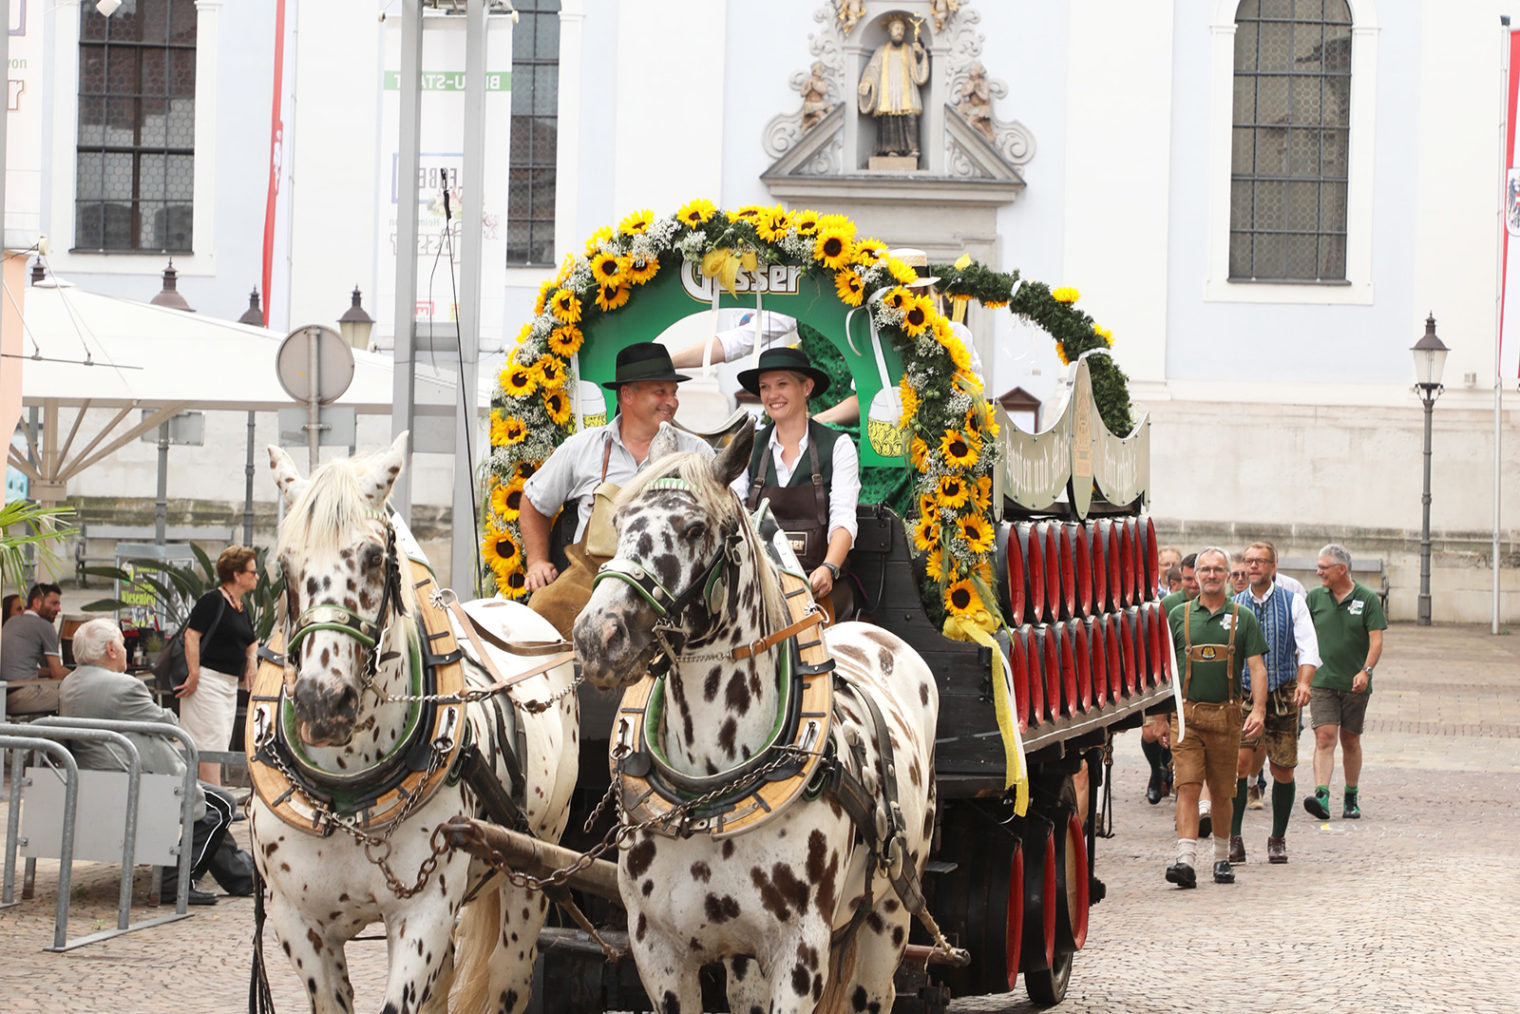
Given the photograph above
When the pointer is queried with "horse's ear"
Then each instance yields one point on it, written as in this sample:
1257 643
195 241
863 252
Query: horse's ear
286 477
733 460
383 470
666 441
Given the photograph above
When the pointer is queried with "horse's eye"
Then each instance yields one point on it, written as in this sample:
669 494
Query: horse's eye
373 558
695 531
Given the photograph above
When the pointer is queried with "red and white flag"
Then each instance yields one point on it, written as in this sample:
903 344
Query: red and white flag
1509 295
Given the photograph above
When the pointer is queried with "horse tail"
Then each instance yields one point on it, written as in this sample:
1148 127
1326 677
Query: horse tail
478 933
841 974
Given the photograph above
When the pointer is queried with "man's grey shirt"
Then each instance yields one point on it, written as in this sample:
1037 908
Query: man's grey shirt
574 470
23 643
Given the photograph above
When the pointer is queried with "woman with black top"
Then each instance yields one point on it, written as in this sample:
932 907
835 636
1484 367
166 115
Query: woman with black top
220 655
810 473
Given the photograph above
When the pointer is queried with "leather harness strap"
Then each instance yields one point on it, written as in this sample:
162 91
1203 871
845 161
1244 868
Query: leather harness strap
768 642
502 683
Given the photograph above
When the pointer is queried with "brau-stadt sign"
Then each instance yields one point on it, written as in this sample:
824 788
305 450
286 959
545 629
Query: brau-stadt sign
1075 461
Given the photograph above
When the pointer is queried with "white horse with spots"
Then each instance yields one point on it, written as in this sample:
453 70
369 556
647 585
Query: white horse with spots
339 549
768 901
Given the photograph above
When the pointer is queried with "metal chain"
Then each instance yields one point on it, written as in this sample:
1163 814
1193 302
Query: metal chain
483 693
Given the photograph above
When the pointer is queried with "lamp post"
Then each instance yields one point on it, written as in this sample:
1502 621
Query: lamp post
355 324
1429 361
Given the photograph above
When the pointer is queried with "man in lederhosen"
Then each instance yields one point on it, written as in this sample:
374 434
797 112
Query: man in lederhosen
1212 635
810 473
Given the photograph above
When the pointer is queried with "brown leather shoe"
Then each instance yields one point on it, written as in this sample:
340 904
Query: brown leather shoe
1277 850
1237 850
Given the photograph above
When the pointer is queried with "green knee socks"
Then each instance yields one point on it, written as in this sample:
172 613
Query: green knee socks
1283 794
1240 806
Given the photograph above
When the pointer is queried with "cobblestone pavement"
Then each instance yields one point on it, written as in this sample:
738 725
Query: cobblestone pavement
1414 908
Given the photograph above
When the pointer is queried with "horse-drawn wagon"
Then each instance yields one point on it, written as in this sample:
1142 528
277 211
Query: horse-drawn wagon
1008 628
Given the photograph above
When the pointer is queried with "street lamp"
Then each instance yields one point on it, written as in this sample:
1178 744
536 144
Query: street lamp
356 324
1429 361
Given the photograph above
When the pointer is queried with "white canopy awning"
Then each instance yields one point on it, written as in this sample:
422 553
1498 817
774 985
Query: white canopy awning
83 350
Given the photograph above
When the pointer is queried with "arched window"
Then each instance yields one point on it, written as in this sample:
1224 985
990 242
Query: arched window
535 133
1290 141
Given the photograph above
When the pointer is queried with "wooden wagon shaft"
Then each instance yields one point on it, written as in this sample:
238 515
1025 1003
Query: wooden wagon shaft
530 855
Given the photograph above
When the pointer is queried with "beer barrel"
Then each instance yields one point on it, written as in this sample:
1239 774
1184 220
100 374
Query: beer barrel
1152 565
1032 548
1034 665
1018 663
1098 646
1054 596
1050 645
1137 550
1079 683
1009 563
1068 567
1098 558
1115 554
1114 656
1081 567
1143 675
1158 630
1127 646
1126 596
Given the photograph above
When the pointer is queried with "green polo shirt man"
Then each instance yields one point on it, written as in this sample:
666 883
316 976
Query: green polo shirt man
1212 635
1349 622
1154 731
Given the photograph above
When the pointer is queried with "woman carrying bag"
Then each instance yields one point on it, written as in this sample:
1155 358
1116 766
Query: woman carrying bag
220 655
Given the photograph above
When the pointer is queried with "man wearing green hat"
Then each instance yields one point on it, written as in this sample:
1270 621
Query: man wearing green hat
598 459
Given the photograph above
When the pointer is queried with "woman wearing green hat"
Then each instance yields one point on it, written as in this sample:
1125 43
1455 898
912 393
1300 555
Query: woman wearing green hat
810 473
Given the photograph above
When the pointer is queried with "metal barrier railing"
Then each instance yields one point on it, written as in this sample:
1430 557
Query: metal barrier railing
55 731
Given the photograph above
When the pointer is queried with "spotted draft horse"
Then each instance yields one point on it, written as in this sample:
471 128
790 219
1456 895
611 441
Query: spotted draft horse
688 586
339 550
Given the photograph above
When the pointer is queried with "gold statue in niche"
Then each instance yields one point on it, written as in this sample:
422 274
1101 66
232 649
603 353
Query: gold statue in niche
889 89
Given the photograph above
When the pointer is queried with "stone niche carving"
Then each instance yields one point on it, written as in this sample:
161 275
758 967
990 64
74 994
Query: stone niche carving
961 137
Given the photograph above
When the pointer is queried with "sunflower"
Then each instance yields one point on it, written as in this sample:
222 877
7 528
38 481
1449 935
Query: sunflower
518 380
840 222
958 353
961 599
1065 294
641 270
850 288
545 287
751 213
526 329
694 213
916 315
498 429
952 491
832 248
513 584
611 296
959 451
909 398
805 222
926 532
773 224
599 239
565 306
976 416
869 252
994 304
937 566
565 341
897 298
636 223
900 271
500 552
975 532
981 493
524 471
927 505
607 267
558 407
508 505
514 430
1061 354
918 453
551 372
1105 334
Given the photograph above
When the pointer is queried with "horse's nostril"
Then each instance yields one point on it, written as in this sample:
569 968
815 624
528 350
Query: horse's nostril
348 702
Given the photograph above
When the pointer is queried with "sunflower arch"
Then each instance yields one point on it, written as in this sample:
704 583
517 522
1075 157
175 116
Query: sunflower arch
632 282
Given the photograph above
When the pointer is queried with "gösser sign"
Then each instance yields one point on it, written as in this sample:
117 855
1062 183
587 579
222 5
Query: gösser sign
781 279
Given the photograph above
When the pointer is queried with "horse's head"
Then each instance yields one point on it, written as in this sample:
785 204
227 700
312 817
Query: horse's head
677 529
341 583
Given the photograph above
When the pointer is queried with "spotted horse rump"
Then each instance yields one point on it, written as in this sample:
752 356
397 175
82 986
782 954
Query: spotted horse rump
805 908
372 766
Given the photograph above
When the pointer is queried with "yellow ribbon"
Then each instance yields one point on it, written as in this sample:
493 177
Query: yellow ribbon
974 628
723 265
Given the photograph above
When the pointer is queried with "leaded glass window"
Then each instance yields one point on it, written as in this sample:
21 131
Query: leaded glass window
1289 146
135 180
535 131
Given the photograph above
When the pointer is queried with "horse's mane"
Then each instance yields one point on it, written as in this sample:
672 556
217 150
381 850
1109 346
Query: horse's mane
332 512
715 500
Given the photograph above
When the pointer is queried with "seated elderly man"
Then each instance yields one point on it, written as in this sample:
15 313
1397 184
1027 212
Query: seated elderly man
101 688
598 459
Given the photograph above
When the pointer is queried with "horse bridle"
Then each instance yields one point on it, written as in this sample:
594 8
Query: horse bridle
343 620
667 605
